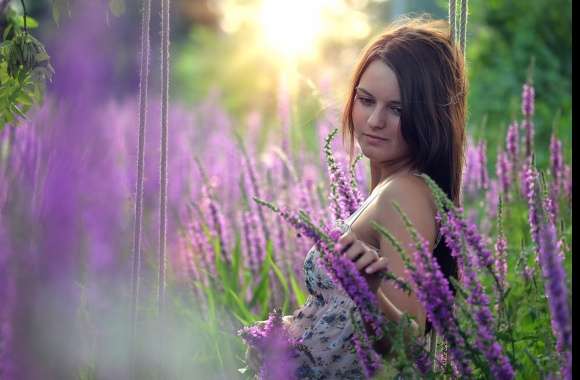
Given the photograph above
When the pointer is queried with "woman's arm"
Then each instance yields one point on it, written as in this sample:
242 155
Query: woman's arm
414 198
392 313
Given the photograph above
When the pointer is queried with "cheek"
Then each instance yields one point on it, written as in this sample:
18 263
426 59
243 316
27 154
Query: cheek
359 116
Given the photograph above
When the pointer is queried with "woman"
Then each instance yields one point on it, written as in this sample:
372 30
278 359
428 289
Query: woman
406 110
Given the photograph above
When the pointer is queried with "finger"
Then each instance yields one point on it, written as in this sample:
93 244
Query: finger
347 238
354 250
377 266
367 258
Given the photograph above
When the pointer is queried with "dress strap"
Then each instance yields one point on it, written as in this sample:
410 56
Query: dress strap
351 219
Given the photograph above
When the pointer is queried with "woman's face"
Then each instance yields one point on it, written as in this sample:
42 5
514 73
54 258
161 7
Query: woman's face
376 115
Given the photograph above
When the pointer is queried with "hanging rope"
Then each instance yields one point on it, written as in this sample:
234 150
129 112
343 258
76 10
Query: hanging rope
163 168
452 9
433 338
143 84
463 25
458 36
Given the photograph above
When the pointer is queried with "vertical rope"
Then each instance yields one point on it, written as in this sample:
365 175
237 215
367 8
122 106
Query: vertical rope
163 168
463 26
143 84
452 17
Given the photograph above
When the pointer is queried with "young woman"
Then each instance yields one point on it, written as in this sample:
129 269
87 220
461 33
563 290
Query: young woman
406 110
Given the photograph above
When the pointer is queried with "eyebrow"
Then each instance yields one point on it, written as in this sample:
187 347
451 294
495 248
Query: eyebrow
365 92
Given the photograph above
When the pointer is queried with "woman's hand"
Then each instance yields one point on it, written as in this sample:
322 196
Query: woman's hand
368 259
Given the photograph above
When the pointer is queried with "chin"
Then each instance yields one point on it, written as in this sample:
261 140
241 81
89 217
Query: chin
371 154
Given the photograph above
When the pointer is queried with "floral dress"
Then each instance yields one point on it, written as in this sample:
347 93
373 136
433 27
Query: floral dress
324 322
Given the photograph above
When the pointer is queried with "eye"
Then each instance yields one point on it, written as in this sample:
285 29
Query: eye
396 110
364 100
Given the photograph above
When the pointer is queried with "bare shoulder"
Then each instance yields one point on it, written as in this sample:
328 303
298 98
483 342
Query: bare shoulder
410 191
414 197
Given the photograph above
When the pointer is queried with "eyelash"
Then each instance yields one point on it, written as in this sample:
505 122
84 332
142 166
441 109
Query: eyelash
368 102
365 101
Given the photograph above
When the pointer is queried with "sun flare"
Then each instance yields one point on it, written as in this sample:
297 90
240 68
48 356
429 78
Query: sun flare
296 30
292 28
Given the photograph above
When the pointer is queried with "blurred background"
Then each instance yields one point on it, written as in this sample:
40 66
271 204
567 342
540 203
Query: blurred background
258 55
272 72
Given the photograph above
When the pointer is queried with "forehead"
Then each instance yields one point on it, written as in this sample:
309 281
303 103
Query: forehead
380 81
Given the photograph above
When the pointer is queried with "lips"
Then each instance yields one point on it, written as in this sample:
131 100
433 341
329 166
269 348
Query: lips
375 137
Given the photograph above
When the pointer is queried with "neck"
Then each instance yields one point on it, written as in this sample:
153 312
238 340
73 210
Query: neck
381 172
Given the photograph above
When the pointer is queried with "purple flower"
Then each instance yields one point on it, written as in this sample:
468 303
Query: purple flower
503 170
471 170
249 164
492 198
343 200
474 239
501 264
528 273
568 181
478 301
528 100
355 181
275 346
217 224
202 247
512 143
423 363
528 112
433 291
550 260
253 239
551 204
556 163
485 338
482 157
531 193
345 273
370 361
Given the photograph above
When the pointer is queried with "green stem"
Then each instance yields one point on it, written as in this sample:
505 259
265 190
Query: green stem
24 15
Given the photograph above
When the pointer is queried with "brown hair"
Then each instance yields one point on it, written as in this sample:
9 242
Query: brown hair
430 71
433 85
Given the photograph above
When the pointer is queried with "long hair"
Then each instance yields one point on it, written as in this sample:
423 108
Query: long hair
433 85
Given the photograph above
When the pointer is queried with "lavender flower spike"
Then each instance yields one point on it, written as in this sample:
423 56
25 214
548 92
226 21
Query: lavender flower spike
485 339
342 196
550 260
434 294
512 142
531 193
528 95
556 164
528 112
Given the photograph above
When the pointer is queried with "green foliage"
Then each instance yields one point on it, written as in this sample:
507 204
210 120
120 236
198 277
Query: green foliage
503 38
24 68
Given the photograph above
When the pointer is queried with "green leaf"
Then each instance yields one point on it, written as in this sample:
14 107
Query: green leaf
30 22
261 291
244 315
24 99
298 292
236 264
283 282
6 32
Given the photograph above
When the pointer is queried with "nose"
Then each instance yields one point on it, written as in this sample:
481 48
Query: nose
376 118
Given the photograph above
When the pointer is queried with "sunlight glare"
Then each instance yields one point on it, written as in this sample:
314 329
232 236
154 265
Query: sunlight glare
293 28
